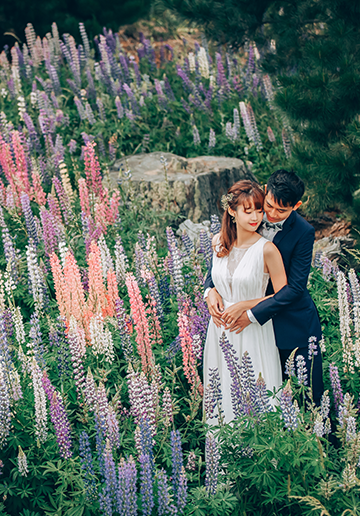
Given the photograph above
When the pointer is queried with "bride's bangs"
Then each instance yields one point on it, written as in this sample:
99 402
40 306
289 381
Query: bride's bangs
255 198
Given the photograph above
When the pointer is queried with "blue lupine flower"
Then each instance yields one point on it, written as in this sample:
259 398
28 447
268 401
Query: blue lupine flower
146 485
87 467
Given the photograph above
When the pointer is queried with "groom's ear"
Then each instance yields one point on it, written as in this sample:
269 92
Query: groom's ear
297 205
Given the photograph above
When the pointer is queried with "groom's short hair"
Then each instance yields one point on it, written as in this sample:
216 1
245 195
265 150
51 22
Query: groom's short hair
286 187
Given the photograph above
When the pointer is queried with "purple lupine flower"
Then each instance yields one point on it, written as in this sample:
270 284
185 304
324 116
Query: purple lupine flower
176 459
91 92
187 83
10 253
146 485
173 348
336 386
221 78
85 39
301 370
312 348
288 410
100 430
290 365
63 199
49 232
59 418
29 218
248 383
212 464
132 99
5 413
80 108
87 467
232 361
36 341
262 398
215 226
181 497
58 340
119 107
127 499
189 246
164 499
108 497
124 330
33 135
154 292
206 247
213 395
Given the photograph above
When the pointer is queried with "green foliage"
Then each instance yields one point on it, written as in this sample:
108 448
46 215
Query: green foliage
314 57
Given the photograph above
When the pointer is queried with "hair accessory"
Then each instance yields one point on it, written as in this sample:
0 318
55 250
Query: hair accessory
225 199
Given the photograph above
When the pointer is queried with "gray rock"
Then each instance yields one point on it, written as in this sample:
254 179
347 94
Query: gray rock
332 247
193 230
190 186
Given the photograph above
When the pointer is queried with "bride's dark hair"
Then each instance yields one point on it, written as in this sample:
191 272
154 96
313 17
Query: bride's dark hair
245 192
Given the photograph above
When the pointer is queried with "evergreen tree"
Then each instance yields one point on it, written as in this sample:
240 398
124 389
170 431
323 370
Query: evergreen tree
312 47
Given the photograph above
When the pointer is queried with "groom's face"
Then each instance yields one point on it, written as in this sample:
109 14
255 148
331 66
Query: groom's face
276 212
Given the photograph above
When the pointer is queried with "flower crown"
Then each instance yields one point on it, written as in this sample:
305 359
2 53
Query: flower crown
225 199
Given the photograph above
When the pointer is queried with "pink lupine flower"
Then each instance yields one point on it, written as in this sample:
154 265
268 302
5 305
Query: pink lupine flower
84 196
141 323
92 170
189 360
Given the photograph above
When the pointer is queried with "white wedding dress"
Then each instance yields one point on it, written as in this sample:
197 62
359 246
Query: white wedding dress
238 277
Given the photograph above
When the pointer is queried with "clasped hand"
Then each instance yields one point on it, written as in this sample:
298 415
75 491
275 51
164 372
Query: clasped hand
234 318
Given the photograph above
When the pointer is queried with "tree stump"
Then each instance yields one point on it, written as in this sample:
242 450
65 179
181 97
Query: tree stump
191 187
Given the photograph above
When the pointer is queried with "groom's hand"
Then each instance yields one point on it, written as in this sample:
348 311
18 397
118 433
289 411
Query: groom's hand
216 306
240 324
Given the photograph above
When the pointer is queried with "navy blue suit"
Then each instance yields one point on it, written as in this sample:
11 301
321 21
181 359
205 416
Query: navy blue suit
293 312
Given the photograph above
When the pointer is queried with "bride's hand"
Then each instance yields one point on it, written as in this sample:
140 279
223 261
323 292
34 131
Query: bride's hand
231 314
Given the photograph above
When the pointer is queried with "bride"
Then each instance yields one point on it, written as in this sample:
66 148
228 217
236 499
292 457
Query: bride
243 261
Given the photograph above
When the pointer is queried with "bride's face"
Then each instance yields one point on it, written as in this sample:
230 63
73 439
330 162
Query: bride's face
247 216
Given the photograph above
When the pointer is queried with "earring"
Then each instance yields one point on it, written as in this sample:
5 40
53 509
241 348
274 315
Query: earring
233 220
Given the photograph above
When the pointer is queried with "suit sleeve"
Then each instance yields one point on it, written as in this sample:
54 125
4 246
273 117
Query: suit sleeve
209 282
297 280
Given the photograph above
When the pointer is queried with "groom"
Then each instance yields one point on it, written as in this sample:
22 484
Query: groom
295 317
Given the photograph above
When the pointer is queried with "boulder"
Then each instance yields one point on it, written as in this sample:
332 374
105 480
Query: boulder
191 187
333 248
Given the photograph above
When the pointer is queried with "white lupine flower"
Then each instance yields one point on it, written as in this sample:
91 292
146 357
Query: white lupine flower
15 385
355 290
21 107
19 325
22 463
5 415
35 277
106 260
212 139
319 426
192 64
63 249
345 322
121 262
203 63
40 402
101 339
2 293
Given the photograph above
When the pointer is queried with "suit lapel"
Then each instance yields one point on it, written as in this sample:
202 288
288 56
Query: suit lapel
288 224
